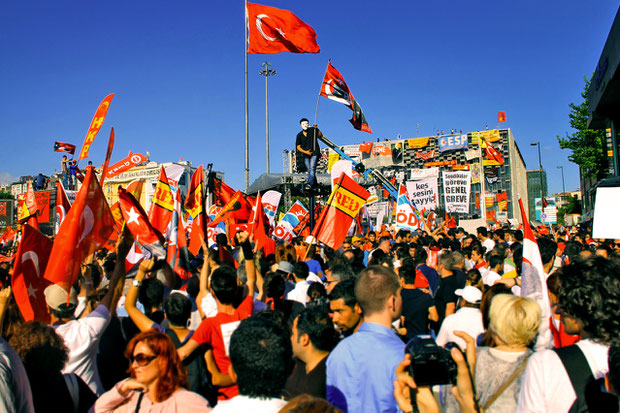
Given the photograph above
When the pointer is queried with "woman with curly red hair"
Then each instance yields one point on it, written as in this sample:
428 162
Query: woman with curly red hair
158 380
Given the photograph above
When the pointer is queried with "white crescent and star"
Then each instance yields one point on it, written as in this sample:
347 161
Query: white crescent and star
259 26
31 255
133 216
89 222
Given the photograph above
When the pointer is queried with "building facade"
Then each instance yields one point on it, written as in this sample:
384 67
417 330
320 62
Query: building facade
534 191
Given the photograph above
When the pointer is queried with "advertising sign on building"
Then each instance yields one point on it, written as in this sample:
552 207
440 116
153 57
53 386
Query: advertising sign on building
456 187
452 142
6 212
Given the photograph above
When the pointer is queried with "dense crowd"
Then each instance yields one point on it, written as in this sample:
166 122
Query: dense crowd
392 321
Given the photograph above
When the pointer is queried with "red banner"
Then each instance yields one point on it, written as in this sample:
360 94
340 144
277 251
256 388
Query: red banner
42 200
107 157
129 162
95 125
439 163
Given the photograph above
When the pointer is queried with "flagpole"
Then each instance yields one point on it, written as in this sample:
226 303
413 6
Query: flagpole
483 199
247 125
318 99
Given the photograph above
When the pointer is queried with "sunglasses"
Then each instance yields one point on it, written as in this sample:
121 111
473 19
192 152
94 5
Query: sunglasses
142 359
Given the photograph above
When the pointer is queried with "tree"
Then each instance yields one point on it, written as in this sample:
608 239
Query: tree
5 195
586 144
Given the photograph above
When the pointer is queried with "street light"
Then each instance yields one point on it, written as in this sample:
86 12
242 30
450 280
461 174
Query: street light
542 194
267 72
561 168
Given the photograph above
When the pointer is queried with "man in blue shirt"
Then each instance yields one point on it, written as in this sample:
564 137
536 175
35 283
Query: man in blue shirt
361 369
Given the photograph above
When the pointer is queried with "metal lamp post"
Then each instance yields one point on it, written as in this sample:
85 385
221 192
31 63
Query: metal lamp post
267 72
542 194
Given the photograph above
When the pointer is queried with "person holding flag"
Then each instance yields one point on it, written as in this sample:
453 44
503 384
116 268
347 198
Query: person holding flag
308 145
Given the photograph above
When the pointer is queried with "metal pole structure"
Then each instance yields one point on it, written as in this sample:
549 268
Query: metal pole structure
267 72
247 123
561 168
542 193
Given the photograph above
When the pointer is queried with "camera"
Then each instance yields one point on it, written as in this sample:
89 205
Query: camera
430 364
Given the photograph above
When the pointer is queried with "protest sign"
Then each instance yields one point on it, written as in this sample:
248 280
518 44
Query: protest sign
423 193
456 187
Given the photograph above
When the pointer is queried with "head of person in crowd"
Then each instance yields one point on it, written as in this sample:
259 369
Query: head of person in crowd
304 403
445 263
498 236
518 236
483 233
385 245
317 294
603 250
469 240
285 268
588 299
61 305
300 271
372 237
376 257
408 275
496 263
517 257
337 273
357 241
477 253
420 255
151 295
377 290
553 288
485 306
347 313
178 309
224 284
571 251
513 321
474 279
313 335
387 261
547 248
459 259
459 233
155 364
469 296
42 351
261 358
401 236
347 244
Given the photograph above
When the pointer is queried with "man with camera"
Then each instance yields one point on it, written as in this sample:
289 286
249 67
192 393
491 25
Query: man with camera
361 369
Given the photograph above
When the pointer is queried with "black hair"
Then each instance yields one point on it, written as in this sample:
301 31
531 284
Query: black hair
407 271
613 359
224 284
420 255
455 246
109 263
151 294
275 286
341 272
304 120
301 270
474 279
377 255
499 233
402 233
590 292
517 257
478 248
345 290
482 231
518 235
495 260
547 248
315 322
572 250
317 292
178 309
193 286
221 240
262 357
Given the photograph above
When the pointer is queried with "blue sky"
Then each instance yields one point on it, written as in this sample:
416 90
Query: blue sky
177 71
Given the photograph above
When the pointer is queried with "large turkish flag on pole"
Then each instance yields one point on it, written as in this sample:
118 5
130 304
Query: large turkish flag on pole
274 30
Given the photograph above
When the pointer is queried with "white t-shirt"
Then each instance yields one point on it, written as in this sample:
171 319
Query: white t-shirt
489 277
546 386
466 319
248 404
299 293
82 338
489 244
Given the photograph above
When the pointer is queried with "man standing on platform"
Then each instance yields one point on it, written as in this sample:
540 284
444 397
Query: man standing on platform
307 144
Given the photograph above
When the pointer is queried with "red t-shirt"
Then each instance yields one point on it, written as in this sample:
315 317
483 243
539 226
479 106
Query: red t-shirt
216 332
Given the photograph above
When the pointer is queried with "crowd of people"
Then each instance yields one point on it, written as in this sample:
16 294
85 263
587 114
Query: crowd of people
312 329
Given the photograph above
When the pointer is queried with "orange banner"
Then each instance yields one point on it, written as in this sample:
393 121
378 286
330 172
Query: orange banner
95 125
417 143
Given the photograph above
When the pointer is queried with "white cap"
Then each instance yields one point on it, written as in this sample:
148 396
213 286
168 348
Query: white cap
470 294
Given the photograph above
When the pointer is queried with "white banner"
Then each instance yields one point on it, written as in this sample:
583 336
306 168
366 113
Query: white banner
423 193
456 188
339 167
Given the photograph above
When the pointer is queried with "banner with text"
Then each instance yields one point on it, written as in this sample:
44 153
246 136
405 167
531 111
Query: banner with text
423 193
456 187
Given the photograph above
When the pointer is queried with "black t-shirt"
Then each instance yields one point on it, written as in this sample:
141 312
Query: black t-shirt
445 294
461 277
308 142
51 394
415 310
312 383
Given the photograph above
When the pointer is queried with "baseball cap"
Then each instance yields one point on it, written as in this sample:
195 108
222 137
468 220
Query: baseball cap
470 294
285 266
55 296
357 238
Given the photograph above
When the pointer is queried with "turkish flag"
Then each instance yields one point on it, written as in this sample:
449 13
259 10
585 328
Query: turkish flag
274 30
162 205
62 205
501 117
138 224
492 153
257 225
86 227
28 283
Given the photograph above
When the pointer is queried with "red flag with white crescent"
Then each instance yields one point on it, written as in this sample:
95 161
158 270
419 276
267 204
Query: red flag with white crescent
27 282
139 225
86 227
62 205
95 125
273 30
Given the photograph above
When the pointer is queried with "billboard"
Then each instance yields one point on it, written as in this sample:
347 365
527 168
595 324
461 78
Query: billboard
6 212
